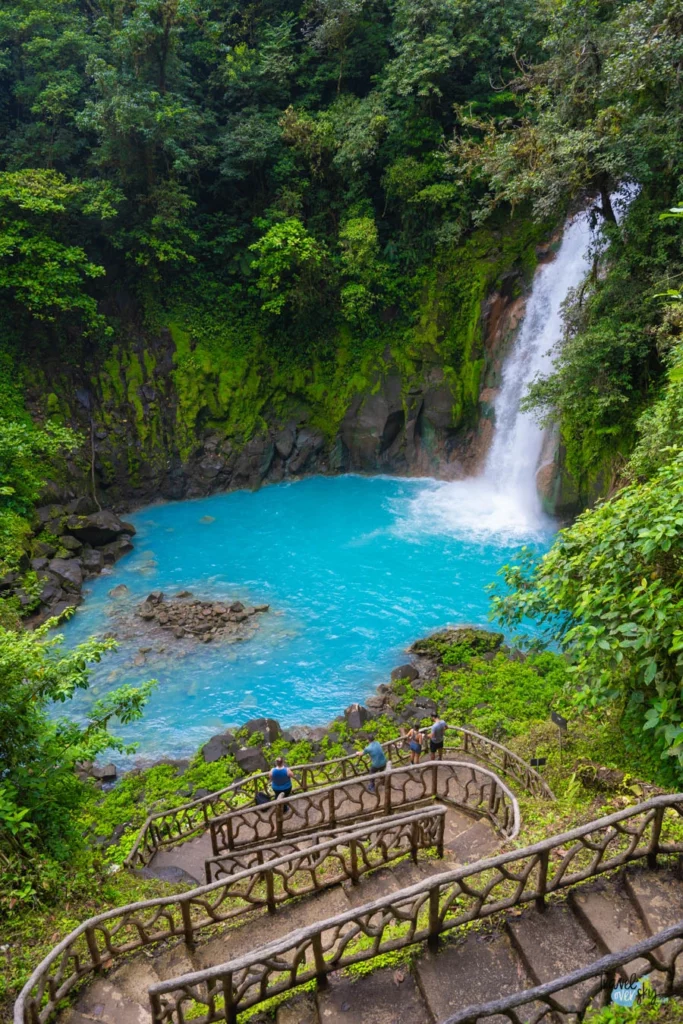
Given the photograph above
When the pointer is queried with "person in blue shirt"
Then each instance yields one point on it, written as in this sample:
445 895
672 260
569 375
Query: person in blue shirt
378 759
436 735
281 779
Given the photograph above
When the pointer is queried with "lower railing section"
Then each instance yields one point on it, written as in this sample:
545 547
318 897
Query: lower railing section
423 912
661 953
461 783
100 941
167 828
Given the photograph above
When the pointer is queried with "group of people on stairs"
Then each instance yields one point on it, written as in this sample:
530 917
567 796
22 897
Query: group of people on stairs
282 778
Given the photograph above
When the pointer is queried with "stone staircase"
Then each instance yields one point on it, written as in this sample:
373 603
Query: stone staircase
121 996
508 954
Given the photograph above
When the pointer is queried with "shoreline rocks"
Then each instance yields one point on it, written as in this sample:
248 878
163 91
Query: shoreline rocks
71 543
205 621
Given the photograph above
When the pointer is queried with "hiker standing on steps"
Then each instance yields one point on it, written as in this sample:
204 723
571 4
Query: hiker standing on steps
436 735
281 779
414 741
378 759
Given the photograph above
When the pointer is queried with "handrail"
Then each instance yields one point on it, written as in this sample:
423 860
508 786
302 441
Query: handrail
96 942
604 970
420 912
461 783
166 828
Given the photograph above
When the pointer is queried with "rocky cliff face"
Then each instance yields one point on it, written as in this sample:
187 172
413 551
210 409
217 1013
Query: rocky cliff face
169 416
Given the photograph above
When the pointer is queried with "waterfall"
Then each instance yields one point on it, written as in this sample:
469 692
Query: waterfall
503 503
513 459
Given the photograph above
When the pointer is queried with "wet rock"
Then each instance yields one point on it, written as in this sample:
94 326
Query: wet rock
356 716
43 550
284 442
251 759
70 543
308 443
99 528
408 672
184 593
68 570
268 727
48 512
92 560
38 564
219 746
51 591
118 591
375 705
8 580
82 506
104 773
116 549
155 597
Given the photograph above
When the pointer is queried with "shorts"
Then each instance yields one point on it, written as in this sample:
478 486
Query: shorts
284 792
433 746
380 768
415 746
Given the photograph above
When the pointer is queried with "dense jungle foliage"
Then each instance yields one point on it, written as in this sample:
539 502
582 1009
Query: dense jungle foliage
299 169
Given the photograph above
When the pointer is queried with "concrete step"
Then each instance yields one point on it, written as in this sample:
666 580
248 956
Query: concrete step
609 915
260 929
659 898
552 943
469 971
105 1002
474 843
301 1009
188 857
387 996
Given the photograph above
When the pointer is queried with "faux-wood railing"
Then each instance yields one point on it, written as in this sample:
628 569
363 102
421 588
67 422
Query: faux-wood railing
166 828
423 912
101 940
661 953
463 784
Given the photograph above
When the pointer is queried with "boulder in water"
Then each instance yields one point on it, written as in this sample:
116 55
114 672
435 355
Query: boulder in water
98 528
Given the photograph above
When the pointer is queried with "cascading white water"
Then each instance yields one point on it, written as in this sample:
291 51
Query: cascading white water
514 455
503 502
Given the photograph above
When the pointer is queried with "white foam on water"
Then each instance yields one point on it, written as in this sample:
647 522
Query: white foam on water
502 505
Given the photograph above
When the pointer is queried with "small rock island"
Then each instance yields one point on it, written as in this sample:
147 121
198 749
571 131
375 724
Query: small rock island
205 621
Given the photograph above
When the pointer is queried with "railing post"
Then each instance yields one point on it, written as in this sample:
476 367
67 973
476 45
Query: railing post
465 747
435 783
91 939
155 1003
440 835
353 850
228 999
214 841
413 842
270 891
333 819
320 972
278 819
231 838
303 779
433 939
654 842
543 860
387 791
187 923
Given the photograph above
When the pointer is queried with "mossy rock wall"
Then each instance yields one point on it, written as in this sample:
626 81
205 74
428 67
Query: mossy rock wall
202 402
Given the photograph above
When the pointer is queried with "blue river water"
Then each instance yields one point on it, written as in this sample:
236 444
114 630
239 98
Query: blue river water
354 569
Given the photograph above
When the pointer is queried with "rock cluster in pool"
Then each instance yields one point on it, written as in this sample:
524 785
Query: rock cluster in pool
200 620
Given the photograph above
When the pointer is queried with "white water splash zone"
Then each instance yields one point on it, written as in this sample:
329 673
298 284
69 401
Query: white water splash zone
503 501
